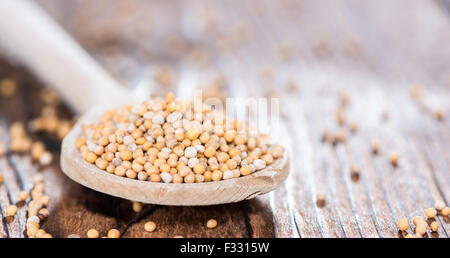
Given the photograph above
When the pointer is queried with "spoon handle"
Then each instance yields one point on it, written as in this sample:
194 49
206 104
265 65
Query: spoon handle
30 36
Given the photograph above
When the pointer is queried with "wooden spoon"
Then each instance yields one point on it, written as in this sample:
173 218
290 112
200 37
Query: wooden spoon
56 58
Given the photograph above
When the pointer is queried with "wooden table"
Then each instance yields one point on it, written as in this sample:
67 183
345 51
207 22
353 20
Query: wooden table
307 53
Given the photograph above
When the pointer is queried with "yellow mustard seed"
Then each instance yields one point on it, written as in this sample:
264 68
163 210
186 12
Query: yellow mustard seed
7 87
403 224
92 233
421 228
11 210
439 205
137 207
212 223
150 226
434 226
47 235
418 219
393 157
430 213
23 196
320 200
113 233
445 211
1 179
91 157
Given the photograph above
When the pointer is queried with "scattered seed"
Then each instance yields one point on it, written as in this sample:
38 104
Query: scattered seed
421 228
150 226
23 196
418 219
320 200
394 159
92 233
212 223
7 87
137 207
113 233
439 205
11 210
354 172
434 226
403 224
430 213
445 211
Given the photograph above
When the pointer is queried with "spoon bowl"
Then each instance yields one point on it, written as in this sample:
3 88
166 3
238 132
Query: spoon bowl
209 193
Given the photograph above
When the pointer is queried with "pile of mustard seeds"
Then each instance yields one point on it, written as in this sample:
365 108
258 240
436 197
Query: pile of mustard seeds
171 141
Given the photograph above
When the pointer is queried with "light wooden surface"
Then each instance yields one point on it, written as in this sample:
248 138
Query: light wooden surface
372 50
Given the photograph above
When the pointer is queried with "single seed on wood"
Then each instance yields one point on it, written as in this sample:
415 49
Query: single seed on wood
92 233
212 223
137 207
421 228
393 157
439 205
150 226
431 213
355 169
23 196
445 211
11 210
7 87
113 233
47 235
418 219
403 224
320 200
434 226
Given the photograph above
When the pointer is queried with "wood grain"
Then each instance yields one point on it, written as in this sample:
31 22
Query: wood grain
372 50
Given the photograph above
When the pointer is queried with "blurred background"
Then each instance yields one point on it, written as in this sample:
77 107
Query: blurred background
347 72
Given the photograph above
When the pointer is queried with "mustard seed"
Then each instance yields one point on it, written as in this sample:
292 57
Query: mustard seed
434 226
150 226
439 205
11 210
320 200
393 157
7 87
23 196
421 228
92 233
137 207
113 233
1 179
418 219
354 172
431 213
403 224
212 223
445 211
